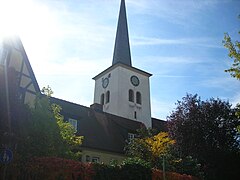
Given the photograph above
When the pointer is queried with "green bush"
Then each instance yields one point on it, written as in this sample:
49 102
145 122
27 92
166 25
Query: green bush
135 169
129 169
105 172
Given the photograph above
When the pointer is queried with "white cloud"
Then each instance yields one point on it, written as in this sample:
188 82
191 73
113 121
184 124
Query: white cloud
182 10
170 60
203 42
227 83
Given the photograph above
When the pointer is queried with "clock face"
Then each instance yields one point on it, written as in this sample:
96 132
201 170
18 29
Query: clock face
105 82
135 80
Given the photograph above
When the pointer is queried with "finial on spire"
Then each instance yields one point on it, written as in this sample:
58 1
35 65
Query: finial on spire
122 48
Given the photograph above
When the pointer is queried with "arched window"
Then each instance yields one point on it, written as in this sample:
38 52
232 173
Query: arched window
139 98
102 99
108 97
135 114
130 95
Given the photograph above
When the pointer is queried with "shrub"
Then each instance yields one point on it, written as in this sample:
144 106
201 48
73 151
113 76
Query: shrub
135 169
158 175
58 168
105 172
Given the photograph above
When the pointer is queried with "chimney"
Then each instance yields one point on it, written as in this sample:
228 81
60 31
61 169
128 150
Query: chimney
97 107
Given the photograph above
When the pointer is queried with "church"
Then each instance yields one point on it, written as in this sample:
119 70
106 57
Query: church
121 102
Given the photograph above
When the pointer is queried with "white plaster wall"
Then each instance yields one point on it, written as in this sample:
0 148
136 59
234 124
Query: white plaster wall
119 85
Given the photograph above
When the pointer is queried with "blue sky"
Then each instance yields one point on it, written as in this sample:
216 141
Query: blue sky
179 42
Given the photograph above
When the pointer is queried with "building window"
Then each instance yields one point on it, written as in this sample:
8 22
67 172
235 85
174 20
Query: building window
108 97
74 123
135 114
95 159
139 98
131 136
130 95
102 99
87 158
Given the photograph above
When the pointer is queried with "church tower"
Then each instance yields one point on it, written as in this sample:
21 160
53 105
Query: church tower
122 89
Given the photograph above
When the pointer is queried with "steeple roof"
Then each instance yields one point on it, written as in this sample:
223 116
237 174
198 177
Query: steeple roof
122 48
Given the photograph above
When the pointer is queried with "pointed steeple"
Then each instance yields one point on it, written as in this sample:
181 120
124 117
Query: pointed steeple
122 48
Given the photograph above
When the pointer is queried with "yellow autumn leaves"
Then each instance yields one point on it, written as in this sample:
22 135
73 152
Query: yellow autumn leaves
159 144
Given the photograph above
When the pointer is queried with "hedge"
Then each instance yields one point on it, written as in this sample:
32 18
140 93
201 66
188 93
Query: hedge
51 168
158 175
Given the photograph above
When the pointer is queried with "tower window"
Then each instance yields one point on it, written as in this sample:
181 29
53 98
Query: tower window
108 97
102 99
130 95
139 98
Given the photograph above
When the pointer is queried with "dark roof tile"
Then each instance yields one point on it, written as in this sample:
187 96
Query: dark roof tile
101 130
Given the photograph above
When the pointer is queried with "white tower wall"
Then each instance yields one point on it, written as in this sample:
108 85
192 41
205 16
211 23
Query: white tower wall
119 85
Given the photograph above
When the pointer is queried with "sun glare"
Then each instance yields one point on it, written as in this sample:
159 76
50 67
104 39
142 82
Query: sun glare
25 18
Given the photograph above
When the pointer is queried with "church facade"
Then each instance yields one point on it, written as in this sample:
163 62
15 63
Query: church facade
121 102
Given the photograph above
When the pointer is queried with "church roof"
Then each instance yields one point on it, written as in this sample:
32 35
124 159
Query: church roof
101 131
159 125
122 48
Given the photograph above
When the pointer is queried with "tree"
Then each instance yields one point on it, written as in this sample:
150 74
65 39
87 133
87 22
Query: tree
67 133
66 130
159 144
159 150
138 147
149 146
37 131
39 134
234 53
206 130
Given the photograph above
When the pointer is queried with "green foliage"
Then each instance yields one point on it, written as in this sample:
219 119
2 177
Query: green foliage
40 130
59 168
138 148
40 134
158 175
234 53
105 172
153 148
67 131
129 169
135 169
238 110
47 91
186 165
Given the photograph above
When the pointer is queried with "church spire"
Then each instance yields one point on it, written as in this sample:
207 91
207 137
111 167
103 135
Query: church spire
122 48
